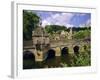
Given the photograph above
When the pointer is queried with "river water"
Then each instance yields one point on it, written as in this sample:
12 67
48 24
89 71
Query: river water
50 62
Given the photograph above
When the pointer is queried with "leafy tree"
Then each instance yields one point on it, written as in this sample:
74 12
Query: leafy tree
81 28
82 34
83 59
30 21
54 28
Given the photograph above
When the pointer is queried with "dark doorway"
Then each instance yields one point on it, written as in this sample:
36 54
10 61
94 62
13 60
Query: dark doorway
64 51
76 49
50 54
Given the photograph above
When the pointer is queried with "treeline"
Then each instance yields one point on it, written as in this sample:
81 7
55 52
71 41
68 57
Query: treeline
81 28
55 28
58 28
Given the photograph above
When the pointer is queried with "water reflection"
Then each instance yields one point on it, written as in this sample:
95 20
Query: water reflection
50 62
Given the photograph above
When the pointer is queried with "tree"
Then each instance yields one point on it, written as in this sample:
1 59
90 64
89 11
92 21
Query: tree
82 34
55 28
30 21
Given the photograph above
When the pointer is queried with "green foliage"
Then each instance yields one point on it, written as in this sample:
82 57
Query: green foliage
30 21
64 64
81 28
79 32
82 34
82 59
54 28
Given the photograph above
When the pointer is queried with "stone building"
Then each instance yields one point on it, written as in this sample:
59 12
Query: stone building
40 38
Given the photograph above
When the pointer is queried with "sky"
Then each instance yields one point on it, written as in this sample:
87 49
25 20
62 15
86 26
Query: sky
68 19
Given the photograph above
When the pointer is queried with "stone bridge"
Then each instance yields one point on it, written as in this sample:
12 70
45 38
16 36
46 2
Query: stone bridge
41 44
70 46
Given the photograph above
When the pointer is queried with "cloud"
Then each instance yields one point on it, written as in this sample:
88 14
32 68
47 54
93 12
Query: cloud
45 22
86 24
69 25
58 19
82 25
65 19
80 14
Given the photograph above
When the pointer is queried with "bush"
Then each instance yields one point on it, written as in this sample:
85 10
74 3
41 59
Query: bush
82 59
82 34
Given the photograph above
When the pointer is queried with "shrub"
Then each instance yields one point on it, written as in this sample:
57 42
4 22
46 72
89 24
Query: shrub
82 59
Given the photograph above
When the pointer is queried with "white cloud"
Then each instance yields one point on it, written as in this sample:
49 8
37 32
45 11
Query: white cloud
69 25
58 19
80 14
62 17
87 24
82 25
45 23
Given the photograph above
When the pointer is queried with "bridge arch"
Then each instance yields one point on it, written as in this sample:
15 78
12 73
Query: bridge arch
28 55
64 50
51 53
76 49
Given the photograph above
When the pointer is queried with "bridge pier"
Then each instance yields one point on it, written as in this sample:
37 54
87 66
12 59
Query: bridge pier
81 49
39 56
57 51
70 49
